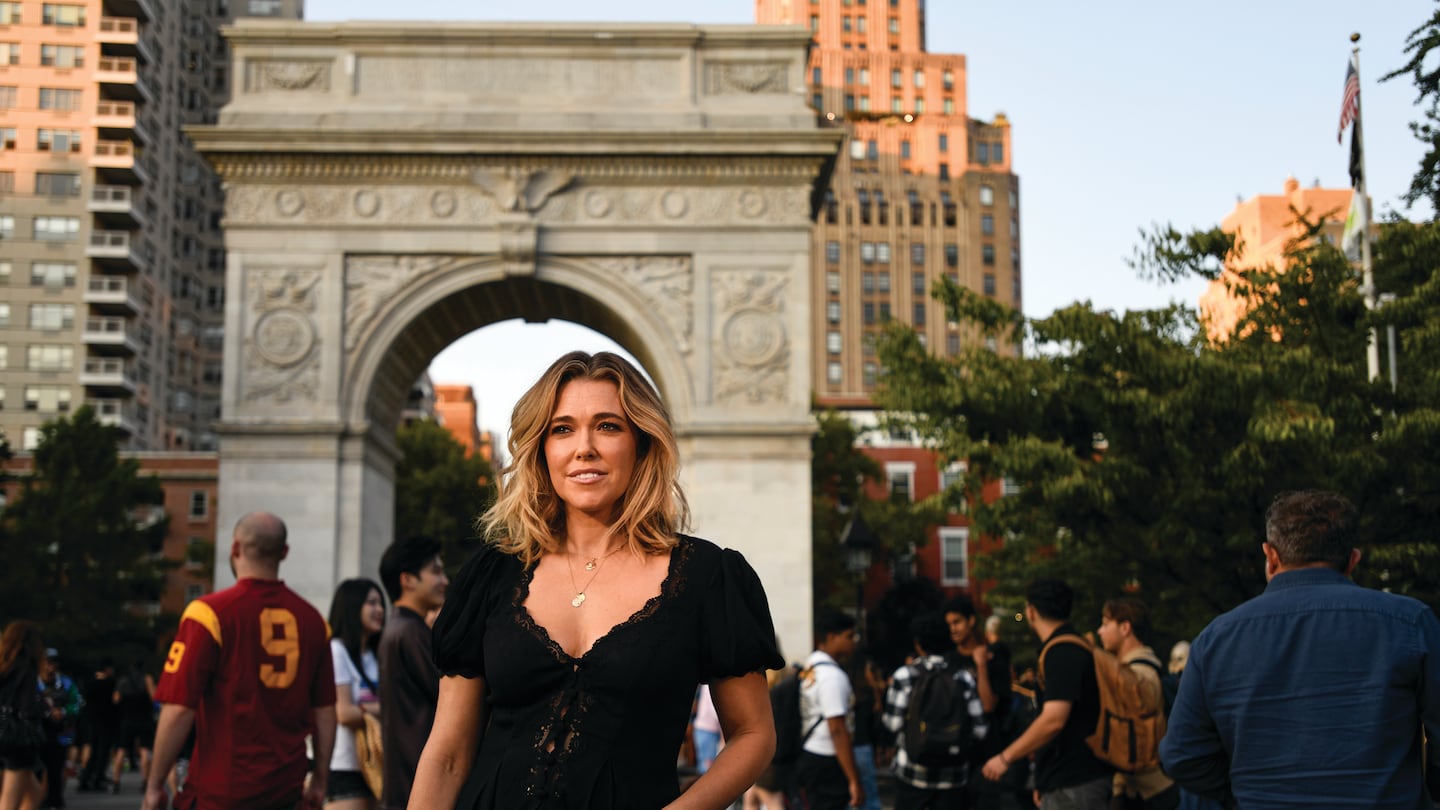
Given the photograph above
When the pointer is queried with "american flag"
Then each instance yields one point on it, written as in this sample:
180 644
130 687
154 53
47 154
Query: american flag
1350 106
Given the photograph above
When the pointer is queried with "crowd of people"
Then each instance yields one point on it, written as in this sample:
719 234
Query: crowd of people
575 653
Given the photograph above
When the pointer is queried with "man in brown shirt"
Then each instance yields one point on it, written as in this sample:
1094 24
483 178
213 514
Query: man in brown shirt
414 577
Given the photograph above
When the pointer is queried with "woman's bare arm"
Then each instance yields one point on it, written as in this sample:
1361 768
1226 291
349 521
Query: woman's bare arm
743 704
445 762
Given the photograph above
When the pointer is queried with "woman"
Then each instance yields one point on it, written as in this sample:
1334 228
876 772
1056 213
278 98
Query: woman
22 732
357 615
576 637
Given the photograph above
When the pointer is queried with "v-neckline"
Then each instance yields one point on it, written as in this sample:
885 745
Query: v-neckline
522 595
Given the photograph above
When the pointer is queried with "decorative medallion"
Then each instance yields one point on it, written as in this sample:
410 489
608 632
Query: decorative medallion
752 352
282 358
290 202
367 203
443 204
283 337
674 204
597 204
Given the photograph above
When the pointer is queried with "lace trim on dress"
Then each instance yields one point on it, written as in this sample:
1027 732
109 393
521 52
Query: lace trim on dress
674 583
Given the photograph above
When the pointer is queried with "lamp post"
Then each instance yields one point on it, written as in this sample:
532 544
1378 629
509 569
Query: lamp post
858 543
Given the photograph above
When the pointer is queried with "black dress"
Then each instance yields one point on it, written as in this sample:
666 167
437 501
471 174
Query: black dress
602 731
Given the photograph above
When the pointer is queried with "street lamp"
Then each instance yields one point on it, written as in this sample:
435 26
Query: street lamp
858 543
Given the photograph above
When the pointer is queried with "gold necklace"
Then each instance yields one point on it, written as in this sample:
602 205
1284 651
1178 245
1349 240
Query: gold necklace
593 565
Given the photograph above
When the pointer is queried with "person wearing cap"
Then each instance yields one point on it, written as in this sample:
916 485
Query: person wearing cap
62 708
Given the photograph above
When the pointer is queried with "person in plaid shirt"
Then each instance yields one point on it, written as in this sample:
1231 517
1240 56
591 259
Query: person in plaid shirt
917 786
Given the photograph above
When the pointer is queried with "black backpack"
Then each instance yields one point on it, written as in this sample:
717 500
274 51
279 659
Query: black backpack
938 730
785 705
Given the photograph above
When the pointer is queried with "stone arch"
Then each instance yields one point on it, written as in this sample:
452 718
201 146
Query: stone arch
390 188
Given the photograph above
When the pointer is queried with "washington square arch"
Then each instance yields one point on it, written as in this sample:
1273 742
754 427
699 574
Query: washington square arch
393 187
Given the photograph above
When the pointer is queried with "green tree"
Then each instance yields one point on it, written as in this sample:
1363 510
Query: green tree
439 490
85 532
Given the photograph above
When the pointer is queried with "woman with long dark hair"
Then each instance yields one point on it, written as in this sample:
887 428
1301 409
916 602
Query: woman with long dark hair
357 616
22 732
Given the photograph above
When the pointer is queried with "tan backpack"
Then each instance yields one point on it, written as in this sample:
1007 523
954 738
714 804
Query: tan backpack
1132 717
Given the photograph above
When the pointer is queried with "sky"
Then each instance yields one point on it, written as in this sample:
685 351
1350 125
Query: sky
1125 114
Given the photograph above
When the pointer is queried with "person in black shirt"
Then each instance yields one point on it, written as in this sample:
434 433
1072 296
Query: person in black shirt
1067 775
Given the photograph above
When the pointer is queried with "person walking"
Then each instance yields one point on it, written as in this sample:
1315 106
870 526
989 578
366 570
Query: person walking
135 704
1316 693
22 716
250 671
62 707
357 618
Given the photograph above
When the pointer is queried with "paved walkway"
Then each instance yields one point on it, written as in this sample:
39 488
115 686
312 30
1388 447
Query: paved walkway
127 799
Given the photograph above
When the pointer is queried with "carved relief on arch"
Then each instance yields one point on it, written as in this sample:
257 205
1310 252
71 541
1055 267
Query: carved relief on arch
666 284
751 344
371 282
282 345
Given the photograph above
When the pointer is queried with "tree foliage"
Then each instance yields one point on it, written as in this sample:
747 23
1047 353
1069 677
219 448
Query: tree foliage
84 535
439 490
1146 455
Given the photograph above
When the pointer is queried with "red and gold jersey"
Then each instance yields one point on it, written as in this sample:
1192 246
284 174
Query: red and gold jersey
253 661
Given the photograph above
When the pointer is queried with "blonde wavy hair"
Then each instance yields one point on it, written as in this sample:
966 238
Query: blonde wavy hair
528 518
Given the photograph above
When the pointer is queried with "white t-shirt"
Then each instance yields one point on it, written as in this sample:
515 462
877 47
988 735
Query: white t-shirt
344 758
825 693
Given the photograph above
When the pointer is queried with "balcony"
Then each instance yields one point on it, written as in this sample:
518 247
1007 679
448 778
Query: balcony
118 120
142 10
115 250
120 36
109 335
111 294
119 78
117 413
116 207
108 374
117 162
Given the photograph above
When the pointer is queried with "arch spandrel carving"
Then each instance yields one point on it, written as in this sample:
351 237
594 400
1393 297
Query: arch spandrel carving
752 361
282 344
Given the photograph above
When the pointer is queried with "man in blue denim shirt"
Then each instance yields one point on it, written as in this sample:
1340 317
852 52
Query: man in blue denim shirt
1314 693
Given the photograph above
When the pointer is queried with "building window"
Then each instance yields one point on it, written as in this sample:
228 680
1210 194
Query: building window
814 22
7 182
1014 199
864 77
882 253
882 281
47 398
867 312
1014 228
832 282
832 342
897 79
49 357
952 343
832 311
7 226
948 79
867 252
987 195
987 224
817 101
199 504
59 14
57 184
869 374
845 24
849 102
832 251
917 283
5 268
919 106
867 282
987 255
860 23
857 149
9 13
57 229
51 317
9 53
919 78
945 172
57 98
955 555
4 314
1015 291
989 284
832 373
900 480
849 75
4 357
918 314
905 150
52 274
62 56
997 152
864 104
57 140
949 106
815 76
872 149
982 153
944 143
894 25
8 95
917 254
1015 259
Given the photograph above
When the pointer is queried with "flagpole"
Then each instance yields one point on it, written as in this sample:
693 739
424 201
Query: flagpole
1367 276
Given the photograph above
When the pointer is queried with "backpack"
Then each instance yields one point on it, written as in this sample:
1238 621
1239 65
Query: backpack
1127 734
938 730
1169 684
789 736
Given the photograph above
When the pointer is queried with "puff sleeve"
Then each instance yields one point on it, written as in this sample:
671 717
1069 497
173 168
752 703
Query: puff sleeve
737 635
458 638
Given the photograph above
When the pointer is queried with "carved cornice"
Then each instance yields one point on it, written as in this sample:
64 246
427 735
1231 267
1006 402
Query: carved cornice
339 168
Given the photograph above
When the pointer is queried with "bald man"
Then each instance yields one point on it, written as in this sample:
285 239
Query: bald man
250 671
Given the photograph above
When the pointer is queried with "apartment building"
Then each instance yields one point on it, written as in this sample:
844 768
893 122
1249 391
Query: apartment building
921 190
112 266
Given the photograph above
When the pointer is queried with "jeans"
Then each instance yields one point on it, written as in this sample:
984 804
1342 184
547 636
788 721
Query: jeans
707 747
865 764
1092 795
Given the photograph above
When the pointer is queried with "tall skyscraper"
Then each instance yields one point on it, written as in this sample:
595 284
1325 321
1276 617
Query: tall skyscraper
112 264
921 189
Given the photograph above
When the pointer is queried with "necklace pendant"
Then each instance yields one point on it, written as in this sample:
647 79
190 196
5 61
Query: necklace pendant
578 600
590 566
